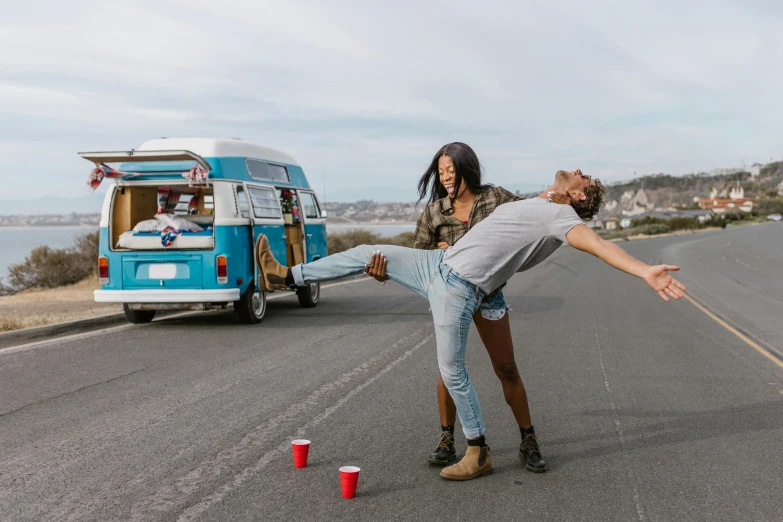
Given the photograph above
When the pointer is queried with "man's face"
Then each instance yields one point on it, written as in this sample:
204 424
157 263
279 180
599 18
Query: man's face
576 183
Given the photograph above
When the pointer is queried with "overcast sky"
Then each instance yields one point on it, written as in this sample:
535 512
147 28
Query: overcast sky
367 94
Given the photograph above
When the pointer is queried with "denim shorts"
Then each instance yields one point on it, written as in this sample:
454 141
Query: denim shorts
494 306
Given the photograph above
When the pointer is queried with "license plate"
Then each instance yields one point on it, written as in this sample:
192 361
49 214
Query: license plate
163 271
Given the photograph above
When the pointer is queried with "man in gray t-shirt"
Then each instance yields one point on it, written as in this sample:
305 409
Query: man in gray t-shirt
516 236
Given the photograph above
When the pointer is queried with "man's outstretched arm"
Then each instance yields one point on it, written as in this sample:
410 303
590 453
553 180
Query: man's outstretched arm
583 238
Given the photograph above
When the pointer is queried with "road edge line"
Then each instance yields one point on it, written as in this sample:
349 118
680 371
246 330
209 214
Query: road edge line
750 342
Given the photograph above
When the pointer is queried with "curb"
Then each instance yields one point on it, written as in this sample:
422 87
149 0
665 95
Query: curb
51 331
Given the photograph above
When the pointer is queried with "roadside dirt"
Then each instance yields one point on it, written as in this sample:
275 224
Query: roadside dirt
38 307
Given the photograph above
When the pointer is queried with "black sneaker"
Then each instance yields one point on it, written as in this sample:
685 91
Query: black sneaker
530 454
444 454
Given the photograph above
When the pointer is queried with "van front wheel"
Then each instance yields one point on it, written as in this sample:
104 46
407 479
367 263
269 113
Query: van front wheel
251 307
138 316
309 295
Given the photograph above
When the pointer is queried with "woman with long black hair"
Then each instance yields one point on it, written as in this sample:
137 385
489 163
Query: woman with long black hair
457 200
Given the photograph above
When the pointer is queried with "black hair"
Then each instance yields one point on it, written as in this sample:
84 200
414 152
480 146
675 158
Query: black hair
467 169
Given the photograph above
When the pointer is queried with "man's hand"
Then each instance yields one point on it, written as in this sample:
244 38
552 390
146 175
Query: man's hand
443 245
377 267
659 280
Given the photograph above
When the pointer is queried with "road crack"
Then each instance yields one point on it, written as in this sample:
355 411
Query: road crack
71 392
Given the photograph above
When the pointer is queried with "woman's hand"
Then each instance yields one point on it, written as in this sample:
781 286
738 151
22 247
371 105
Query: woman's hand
560 199
443 245
377 267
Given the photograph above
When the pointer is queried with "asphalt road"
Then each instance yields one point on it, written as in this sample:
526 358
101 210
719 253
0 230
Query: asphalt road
645 410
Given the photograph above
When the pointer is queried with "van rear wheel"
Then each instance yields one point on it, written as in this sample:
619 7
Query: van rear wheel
309 295
138 316
251 307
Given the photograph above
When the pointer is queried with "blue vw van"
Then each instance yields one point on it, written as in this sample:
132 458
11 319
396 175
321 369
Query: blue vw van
181 221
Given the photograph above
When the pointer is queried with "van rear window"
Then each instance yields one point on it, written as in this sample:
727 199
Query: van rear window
264 171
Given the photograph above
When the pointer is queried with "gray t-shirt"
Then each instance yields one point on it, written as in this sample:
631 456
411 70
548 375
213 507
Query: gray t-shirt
514 238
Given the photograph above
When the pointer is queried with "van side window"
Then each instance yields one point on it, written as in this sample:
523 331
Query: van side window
265 203
264 171
244 206
310 205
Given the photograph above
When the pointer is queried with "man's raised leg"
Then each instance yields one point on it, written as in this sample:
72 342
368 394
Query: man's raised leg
411 268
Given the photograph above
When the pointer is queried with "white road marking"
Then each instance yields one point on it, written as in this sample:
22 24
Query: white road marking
746 265
112 329
619 427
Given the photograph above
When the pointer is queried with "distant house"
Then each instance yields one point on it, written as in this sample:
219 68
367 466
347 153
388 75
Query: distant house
721 206
610 223
735 201
726 171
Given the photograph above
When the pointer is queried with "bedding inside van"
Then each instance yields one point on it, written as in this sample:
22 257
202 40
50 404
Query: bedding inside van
153 240
163 218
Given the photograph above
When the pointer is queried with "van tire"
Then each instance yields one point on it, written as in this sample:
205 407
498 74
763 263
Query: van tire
138 316
251 307
309 295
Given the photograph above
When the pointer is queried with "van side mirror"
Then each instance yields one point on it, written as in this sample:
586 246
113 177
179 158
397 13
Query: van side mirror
323 214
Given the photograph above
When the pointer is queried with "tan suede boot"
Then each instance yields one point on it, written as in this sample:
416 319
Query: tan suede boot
474 464
273 272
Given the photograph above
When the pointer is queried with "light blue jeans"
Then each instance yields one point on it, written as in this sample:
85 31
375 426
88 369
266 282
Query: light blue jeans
453 301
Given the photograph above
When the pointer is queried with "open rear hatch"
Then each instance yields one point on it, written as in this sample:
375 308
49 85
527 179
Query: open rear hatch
164 201
130 157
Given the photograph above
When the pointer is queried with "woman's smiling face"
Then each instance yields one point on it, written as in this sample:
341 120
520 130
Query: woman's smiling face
448 177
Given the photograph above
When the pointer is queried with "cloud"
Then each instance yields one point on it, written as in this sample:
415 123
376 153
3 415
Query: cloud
367 92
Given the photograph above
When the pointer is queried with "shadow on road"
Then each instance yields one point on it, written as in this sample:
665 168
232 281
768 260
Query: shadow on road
668 428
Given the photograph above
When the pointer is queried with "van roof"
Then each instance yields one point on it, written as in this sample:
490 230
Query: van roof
219 148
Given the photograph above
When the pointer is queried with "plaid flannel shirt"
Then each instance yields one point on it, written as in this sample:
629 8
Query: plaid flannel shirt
437 224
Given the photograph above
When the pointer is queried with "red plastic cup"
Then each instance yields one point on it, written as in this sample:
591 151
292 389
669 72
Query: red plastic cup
349 477
301 447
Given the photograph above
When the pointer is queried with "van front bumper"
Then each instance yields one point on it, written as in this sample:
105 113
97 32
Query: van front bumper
166 296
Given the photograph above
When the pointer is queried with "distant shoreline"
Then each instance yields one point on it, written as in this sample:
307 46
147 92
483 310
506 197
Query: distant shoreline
366 224
39 227
337 224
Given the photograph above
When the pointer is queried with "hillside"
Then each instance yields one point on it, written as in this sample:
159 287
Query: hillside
663 190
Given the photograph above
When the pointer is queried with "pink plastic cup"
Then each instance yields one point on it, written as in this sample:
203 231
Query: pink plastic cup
349 477
300 447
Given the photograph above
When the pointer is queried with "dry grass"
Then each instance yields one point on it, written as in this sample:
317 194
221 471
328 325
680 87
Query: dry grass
8 323
78 292
56 305
15 322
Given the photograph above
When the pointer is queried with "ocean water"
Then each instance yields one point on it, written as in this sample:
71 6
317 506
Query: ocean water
17 242
381 230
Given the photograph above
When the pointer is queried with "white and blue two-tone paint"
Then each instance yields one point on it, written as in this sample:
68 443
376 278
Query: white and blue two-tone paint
219 268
